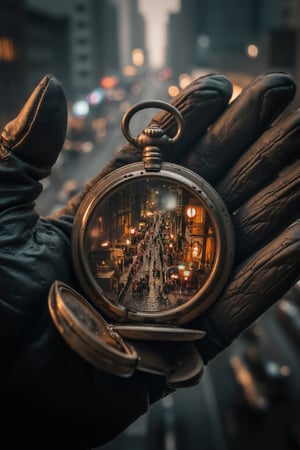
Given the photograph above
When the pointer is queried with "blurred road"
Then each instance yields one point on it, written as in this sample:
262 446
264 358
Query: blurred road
249 396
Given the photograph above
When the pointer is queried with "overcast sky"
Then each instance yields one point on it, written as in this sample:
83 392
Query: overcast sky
156 13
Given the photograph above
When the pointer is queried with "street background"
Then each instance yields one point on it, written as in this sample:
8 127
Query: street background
109 55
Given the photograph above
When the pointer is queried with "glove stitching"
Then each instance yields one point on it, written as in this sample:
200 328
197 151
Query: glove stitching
33 110
267 265
263 160
4 152
276 197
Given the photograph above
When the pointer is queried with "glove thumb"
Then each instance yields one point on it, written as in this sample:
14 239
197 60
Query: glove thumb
37 134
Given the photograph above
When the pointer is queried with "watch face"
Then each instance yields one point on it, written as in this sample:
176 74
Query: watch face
153 247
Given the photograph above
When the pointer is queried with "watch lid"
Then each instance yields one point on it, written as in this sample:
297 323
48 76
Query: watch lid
155 332
87 332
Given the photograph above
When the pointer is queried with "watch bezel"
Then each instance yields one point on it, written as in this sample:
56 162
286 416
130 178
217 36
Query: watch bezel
219 215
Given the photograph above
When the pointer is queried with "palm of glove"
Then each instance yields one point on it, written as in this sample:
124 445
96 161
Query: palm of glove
255 168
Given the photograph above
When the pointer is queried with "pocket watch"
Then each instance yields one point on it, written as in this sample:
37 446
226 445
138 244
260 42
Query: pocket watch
152 247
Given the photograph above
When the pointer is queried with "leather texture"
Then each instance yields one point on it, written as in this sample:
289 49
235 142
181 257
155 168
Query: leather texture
248 150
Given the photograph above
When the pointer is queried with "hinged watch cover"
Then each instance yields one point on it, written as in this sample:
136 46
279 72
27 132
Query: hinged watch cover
102 344
86 331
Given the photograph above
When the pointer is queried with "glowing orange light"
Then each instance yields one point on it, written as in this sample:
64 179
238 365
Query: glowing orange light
7 50
252 51
129 71
109 82
137 57
173 91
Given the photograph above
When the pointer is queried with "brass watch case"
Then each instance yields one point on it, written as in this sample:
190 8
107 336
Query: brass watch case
134 180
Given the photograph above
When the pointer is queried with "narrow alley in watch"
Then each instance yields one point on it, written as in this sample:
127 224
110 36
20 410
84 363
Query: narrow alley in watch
151 246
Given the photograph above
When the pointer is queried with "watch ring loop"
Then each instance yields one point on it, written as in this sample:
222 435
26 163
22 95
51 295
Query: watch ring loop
152 104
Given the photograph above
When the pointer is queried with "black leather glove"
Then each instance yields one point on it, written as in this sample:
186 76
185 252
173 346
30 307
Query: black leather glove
47 388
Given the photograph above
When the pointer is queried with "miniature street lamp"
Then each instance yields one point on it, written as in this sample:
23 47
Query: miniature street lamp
191 212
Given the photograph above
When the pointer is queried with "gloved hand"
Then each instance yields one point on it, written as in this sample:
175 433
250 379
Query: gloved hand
48 387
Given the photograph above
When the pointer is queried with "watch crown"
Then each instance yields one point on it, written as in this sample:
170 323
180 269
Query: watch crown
153 131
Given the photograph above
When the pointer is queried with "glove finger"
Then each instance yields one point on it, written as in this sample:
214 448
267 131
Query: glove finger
29 145
200 103
37 134
254 287
268 212
256 108
274 150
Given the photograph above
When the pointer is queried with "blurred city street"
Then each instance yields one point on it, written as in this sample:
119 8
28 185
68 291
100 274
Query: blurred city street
249 396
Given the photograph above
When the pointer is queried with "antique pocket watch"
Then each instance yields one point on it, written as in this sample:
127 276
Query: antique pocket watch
152 247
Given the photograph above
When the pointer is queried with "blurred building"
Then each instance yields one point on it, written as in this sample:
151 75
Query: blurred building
47 47
184 30
106 55
89 42
32 44
250 36
131 30
284 37
12 57
101 37
79 41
